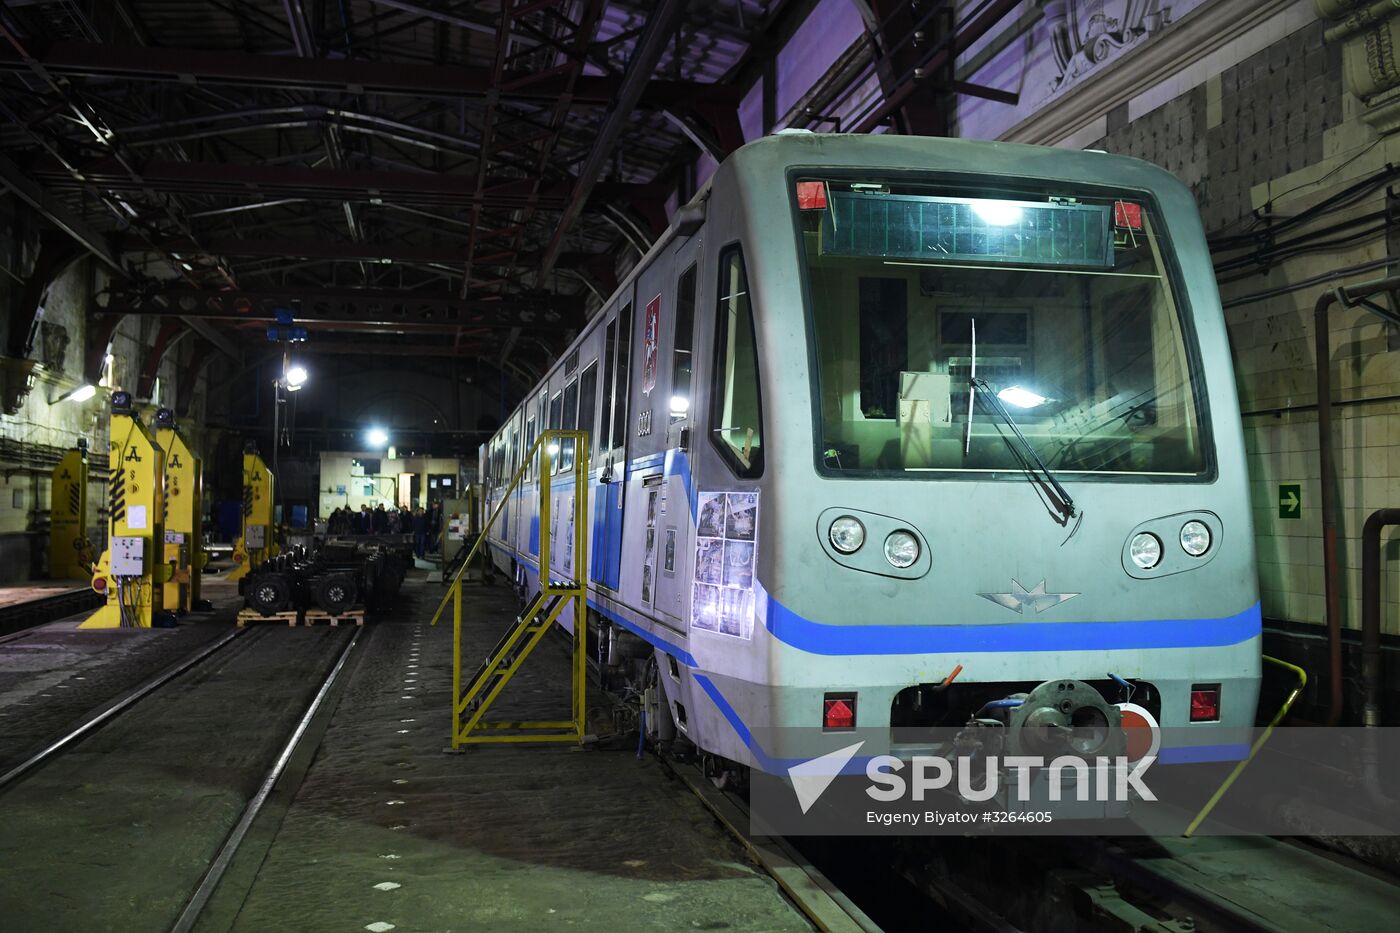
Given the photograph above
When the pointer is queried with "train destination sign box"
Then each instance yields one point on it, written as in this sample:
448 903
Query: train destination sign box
896 226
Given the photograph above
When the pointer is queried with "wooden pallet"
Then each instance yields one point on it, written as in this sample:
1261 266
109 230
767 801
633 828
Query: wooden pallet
290 616
354 616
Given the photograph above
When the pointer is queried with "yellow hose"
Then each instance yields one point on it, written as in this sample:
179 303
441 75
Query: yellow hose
1258 743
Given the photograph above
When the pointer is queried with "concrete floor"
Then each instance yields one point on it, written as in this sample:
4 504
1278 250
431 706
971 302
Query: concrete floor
386 830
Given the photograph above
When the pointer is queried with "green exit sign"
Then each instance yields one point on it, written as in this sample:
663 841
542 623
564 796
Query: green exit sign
1290 500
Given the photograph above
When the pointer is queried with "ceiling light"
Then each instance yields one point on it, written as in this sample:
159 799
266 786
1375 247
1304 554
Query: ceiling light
997 213
1021 398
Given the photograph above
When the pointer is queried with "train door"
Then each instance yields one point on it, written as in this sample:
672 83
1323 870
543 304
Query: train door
612 445
674 528
646 487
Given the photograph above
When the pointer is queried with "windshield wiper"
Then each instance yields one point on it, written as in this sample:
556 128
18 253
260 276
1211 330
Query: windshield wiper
1034 466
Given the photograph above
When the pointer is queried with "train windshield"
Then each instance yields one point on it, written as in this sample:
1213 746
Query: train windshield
925 299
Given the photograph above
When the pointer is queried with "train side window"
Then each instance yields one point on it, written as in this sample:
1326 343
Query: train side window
543 408
556 413
569 422
685 337
588 402
624 352
514 453
736 414
530 435
609 359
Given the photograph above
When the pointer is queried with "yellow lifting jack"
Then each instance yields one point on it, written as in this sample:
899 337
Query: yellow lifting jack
183 517
258 541
70 551
470 704
132 571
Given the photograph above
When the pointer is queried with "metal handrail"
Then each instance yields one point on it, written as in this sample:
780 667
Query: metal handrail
575 590
1293 695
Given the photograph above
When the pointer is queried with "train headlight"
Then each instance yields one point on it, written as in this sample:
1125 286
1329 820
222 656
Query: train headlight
847 534
1145 550
1195 538
901 549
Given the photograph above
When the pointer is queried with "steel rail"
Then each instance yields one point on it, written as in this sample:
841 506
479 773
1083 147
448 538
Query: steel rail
121 703
207 885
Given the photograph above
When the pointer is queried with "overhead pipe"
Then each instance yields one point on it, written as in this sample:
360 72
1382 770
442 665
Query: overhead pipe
1347 297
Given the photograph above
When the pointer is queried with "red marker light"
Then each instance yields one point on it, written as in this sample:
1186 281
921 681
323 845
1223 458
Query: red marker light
811 195
1126 214
99 584
839 712
1205 703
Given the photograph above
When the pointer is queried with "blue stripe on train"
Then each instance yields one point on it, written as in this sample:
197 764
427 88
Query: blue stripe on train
1195 754
819 638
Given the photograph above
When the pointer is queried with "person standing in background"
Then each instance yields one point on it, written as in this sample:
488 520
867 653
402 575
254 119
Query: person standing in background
420 533
435 527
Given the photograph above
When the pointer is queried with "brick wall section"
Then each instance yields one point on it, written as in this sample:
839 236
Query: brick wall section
1274 107
1281 119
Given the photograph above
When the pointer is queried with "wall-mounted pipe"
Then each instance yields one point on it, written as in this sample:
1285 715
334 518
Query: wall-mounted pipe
1331 585
1371 612
1348 297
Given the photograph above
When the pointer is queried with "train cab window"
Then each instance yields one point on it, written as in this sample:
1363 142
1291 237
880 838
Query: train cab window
685 336
588 403
624 352
736 417
570 421
957 328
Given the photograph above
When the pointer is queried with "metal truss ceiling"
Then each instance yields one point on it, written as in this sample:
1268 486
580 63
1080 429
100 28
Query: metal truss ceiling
387 166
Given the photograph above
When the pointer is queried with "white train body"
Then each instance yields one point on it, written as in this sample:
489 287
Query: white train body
821 373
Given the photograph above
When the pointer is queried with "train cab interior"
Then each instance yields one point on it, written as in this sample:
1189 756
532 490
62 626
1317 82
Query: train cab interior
1083 342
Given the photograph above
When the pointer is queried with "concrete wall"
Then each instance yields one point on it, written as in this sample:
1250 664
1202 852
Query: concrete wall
335 474
34 437
1246 102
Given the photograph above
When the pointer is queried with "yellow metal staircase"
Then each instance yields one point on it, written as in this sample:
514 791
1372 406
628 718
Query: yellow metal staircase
470 706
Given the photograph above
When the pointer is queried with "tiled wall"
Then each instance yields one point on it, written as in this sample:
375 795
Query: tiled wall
44 429
1276 128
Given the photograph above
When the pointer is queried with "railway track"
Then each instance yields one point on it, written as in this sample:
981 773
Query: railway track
1052 884
167 778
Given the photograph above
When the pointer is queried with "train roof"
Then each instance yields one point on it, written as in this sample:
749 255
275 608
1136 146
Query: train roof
791 149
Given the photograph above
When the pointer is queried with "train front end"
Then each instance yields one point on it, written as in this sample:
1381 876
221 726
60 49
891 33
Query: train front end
1013 478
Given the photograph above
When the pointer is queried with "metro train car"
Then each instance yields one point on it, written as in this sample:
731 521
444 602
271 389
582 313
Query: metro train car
887 429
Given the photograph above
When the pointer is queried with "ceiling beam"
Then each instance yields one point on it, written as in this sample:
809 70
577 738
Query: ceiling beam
347 251
343 76
661 25
38 197
364 185
368 308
